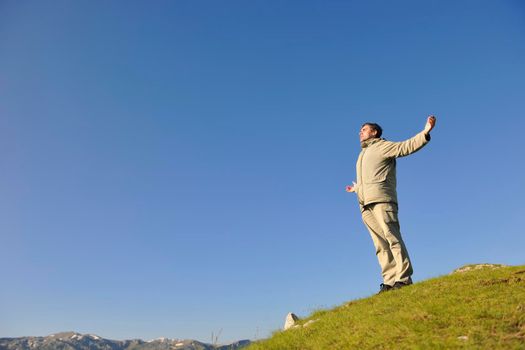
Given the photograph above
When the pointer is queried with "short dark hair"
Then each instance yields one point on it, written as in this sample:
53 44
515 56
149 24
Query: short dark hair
376 127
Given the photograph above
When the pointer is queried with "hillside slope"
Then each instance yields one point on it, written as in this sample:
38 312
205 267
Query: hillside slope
475 309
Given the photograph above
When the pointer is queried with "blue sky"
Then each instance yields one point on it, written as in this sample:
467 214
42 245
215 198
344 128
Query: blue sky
175 168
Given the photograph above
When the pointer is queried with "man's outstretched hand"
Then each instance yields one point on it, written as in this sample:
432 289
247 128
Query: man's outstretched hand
351 188
431 122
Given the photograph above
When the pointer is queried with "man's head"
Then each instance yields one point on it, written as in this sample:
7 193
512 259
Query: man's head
370 131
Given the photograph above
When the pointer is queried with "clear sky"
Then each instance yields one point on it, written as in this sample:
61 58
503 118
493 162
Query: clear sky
174 168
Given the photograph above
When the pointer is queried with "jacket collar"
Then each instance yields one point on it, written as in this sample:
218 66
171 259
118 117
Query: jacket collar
369 142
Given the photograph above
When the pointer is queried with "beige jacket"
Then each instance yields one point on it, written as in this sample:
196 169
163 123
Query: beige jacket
376 167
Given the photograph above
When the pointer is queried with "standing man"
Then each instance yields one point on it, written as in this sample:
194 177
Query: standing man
377 195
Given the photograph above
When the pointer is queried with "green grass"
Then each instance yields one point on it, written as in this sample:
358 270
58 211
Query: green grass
478 309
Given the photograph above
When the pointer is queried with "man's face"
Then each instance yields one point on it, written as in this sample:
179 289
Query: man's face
366 133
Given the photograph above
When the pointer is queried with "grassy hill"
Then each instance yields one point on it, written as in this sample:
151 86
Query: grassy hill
475 309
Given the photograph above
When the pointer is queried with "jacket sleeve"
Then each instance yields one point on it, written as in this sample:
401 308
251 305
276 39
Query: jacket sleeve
404 148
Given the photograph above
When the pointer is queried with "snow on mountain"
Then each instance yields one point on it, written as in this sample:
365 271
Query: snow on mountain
77 341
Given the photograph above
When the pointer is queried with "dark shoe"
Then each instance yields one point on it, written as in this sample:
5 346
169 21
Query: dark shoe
384 288
398 285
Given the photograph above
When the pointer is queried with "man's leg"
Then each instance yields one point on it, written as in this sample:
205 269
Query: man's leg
384 256
386 216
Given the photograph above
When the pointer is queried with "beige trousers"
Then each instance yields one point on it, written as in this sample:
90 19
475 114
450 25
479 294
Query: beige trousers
383 224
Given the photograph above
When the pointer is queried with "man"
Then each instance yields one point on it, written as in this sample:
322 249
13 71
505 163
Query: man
376 192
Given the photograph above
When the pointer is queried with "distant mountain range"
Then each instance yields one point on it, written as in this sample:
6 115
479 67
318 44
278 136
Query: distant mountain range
76 341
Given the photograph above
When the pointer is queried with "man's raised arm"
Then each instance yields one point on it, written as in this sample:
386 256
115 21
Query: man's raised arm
414 144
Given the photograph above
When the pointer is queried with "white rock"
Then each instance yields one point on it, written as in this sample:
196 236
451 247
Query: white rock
291 318
477 267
